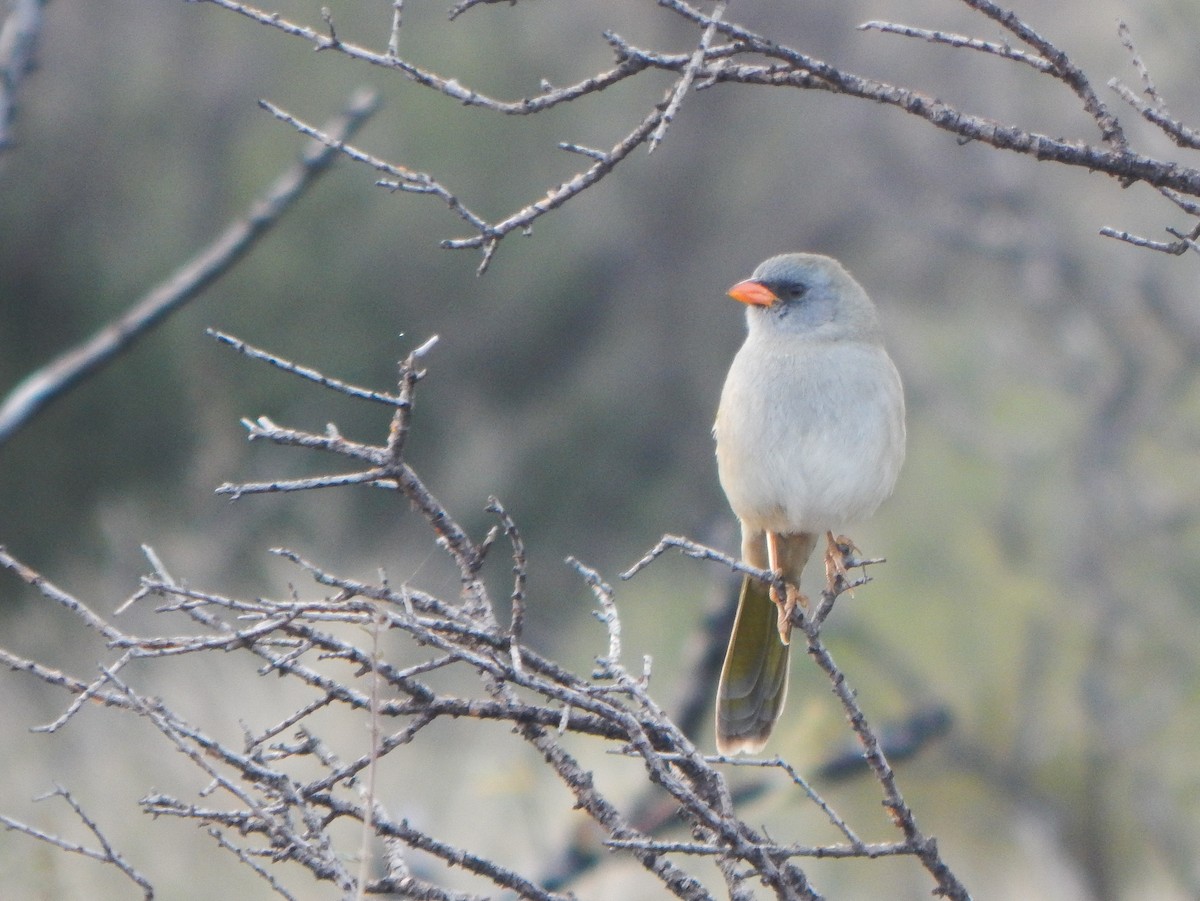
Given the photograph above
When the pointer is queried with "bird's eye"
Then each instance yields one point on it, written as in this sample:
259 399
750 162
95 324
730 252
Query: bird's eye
795 290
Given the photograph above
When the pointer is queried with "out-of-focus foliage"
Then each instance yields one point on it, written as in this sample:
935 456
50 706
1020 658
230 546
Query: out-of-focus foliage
1043 540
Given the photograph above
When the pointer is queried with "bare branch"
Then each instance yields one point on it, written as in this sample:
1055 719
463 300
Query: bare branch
52 592
871 851
1135 59
1005 51
44 385
711 63
1180 246
303 371
410 374
397 21
916 842
106 854
1062 68
489 238
374 477
834 817
698 551
450 87
1156 114
463 5
923 846
278 810
520 576
240 853
686 79
406 179
611 663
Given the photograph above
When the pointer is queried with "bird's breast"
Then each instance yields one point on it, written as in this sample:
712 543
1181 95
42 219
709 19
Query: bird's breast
809 438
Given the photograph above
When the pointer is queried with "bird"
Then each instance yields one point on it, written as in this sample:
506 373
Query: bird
810 437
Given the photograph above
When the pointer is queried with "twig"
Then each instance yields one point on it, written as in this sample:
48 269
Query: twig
397 21
110 854
1063 69
611 663
410 374
304 372
1187 138
686 79
463 5
93 690
52 592
517 598
488 240
332 440
406 179
871 851
806 72
369 796
833 816
106 854
390 472
1135 59
698 551
51 381
1184 243
923 846
240 853
450 87
1191 207
376 477
1005 51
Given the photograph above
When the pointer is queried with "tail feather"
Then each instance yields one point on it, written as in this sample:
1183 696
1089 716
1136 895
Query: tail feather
755 675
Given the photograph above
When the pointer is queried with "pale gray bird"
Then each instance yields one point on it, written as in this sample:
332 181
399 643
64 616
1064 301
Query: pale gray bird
810 438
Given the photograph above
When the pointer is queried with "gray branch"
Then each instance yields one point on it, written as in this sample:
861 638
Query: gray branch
46 384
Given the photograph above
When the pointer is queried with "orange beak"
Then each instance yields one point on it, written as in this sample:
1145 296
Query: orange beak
753 292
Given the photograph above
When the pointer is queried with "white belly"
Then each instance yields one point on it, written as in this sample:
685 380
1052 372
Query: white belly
810 440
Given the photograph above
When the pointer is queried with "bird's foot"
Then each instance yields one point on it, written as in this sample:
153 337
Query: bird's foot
842 554
786 605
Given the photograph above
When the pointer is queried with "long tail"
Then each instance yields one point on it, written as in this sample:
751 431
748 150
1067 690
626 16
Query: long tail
755 675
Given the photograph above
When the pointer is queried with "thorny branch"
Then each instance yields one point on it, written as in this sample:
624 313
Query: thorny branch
728 53
262 802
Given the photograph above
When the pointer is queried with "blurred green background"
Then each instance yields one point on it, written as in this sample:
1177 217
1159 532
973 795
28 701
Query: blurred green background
1042 543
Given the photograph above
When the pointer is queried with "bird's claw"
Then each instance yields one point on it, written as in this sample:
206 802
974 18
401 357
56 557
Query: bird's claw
842 554
792 598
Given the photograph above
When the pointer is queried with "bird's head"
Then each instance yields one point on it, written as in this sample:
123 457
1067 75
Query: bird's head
806 292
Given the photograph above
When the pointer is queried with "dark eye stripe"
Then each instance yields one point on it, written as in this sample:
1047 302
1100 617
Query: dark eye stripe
793 289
